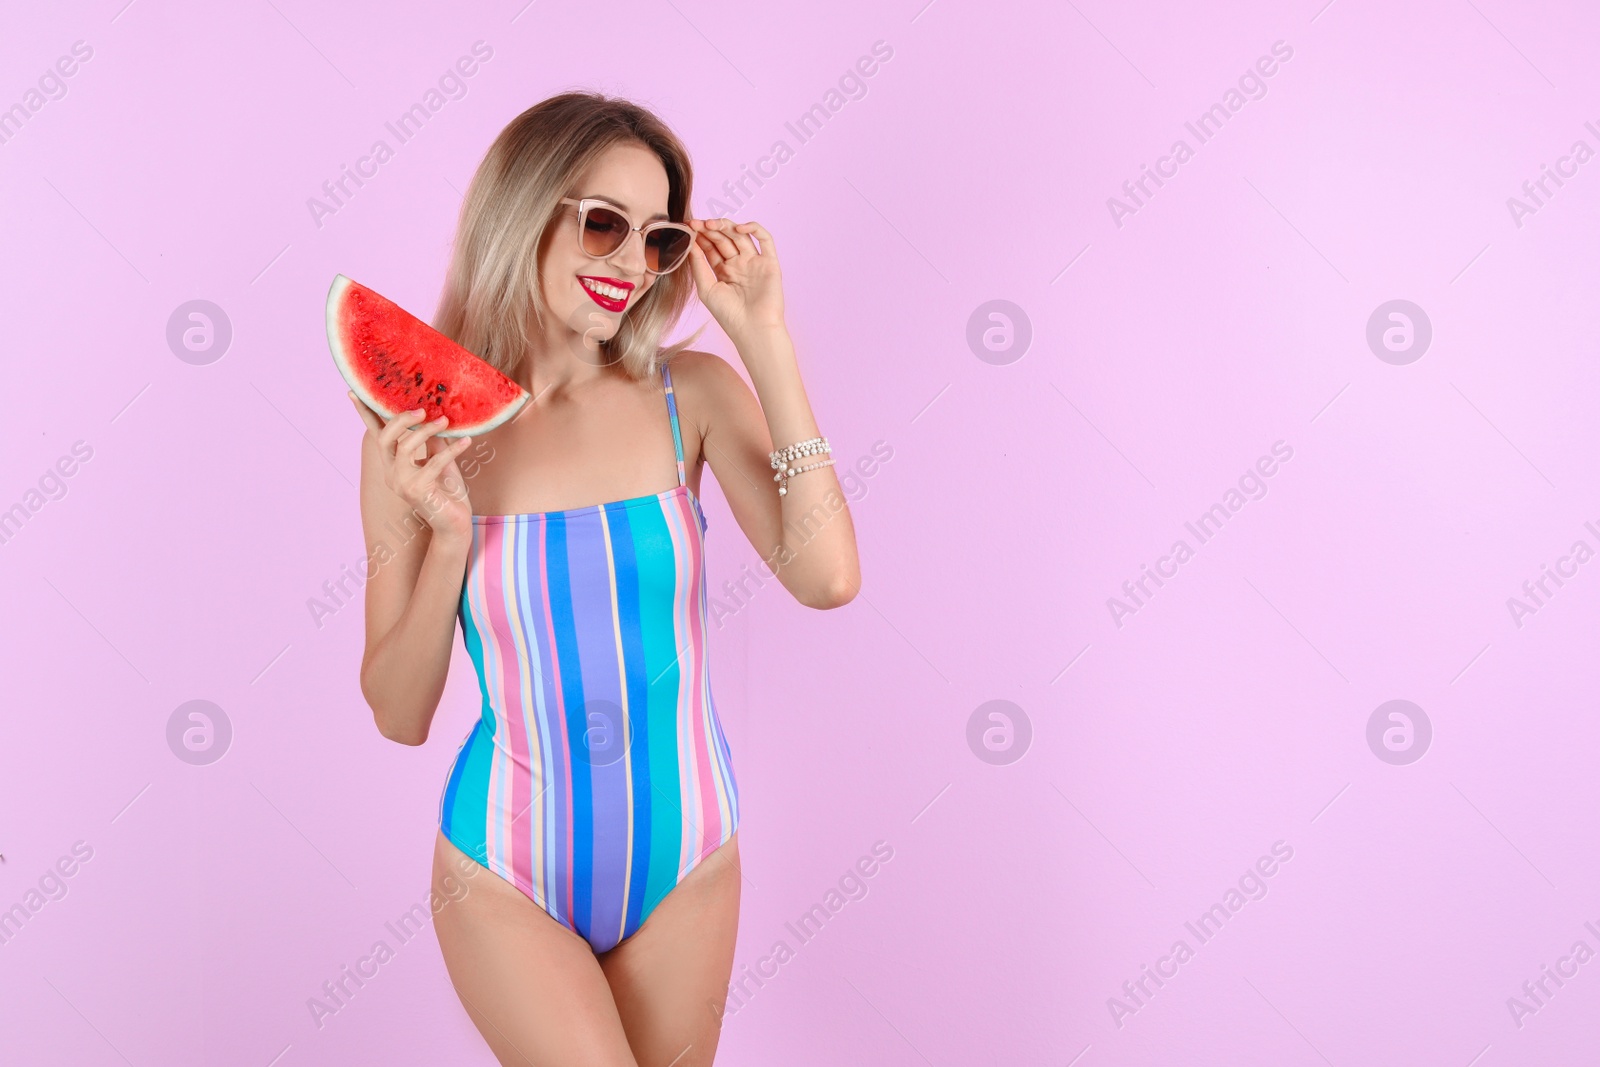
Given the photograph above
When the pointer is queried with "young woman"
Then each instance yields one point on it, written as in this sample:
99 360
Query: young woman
596 788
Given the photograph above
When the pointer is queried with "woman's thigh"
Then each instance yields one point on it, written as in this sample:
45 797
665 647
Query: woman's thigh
669 981
533 988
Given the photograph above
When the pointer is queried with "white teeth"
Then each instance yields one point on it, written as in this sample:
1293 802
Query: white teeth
604 290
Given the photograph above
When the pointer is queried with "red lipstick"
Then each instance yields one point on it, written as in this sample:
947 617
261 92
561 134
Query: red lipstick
606 301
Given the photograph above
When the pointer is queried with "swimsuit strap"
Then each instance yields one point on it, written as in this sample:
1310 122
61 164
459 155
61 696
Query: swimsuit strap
672 413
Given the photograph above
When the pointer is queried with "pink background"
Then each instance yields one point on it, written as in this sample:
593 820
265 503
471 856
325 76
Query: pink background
1167 754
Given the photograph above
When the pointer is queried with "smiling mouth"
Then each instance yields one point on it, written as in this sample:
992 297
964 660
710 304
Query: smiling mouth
610 293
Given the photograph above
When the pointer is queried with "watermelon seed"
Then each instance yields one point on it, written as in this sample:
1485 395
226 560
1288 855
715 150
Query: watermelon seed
419 377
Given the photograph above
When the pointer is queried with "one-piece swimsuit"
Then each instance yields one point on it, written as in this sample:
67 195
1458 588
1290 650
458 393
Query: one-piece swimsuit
597 775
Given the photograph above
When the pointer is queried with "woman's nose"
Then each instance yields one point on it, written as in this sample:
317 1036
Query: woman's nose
630 257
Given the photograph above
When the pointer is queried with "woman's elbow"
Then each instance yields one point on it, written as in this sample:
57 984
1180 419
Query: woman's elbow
393 727
401 735
835 593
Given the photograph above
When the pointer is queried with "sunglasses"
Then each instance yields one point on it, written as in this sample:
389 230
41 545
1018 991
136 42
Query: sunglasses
603 227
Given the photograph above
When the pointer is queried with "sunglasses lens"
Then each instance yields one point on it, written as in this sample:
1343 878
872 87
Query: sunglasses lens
665 248
603 231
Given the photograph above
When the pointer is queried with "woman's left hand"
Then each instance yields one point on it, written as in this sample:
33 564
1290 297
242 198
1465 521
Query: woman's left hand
740 286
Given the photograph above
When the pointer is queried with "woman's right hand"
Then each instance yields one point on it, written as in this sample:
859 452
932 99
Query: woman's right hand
420 467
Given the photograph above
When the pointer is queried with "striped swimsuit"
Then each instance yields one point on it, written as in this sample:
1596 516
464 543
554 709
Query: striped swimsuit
597 775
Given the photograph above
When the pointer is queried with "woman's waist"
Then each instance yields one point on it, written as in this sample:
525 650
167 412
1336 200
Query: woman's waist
649 705
597 731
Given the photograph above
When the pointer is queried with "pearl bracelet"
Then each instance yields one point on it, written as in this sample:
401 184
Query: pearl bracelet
783 476
782 457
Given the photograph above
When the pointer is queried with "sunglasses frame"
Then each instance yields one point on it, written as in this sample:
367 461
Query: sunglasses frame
583 205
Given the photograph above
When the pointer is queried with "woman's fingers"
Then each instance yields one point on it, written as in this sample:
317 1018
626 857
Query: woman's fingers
700 267
415 457
717 231
412 450
767 243
443 458
414 444
708 248
706 243
396 426
416 478
368 416
739 234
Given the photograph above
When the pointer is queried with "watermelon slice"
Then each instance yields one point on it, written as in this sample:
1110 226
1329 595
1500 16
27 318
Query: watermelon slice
395 362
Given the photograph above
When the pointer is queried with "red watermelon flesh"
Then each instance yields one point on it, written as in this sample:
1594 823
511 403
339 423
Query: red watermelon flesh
395 363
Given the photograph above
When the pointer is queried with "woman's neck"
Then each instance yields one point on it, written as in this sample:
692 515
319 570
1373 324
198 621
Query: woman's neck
562 371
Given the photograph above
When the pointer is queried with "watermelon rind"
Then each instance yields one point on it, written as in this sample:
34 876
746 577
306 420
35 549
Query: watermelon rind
346 362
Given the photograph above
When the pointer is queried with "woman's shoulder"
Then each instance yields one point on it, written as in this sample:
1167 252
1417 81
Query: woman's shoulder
707 388
703 374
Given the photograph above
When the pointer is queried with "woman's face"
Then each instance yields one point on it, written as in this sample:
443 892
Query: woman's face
632 178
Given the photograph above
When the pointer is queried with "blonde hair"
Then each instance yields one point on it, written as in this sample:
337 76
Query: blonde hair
492 294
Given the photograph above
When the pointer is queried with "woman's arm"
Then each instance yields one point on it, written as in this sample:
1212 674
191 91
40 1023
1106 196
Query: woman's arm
805 536
418 552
